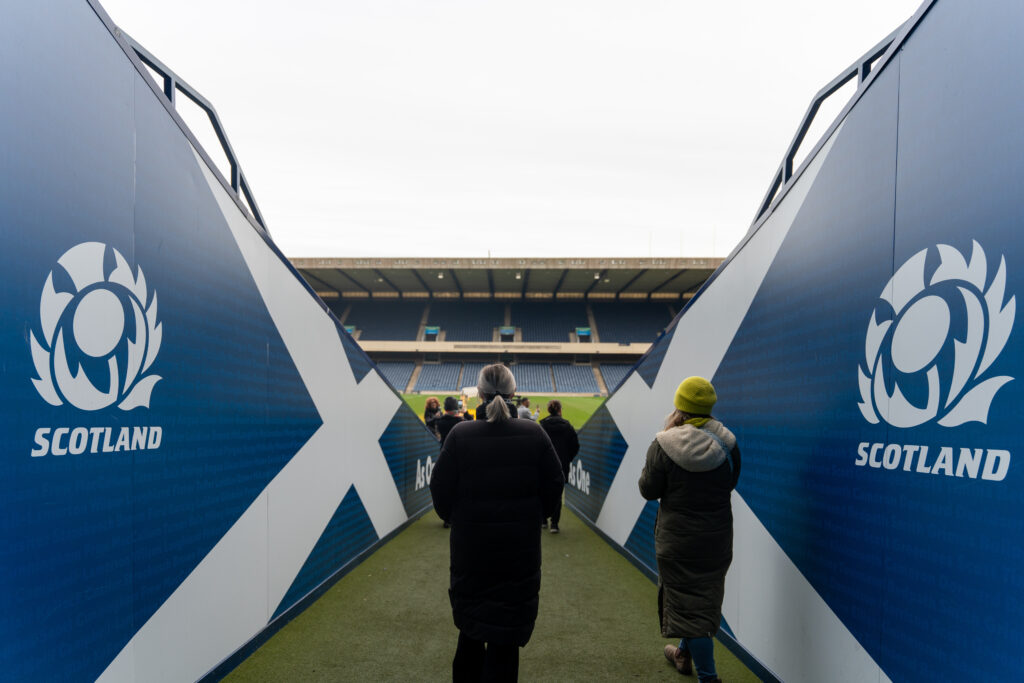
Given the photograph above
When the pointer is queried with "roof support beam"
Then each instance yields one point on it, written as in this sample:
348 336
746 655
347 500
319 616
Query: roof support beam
380 276
600 276
631 281
668 281
554 292
423 282
455 279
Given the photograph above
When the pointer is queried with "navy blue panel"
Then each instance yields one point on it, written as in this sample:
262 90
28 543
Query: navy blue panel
650 364
349 533
792 367
66 170
411 450
960 170
641 539
93 543
590 476
357 358
224 361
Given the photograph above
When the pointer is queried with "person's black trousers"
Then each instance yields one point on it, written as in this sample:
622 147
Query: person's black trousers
476 661
555 518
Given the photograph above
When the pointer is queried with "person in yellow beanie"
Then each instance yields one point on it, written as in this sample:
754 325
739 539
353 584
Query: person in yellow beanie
691 469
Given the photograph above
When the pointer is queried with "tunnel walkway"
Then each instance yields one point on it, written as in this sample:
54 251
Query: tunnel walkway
389 619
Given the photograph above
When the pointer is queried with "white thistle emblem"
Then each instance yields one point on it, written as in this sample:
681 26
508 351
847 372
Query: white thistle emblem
909 331
102 325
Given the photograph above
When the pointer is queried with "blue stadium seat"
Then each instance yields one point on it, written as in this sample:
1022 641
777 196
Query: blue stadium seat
533 378
630 321
614 373
397 372
548 321
470 373
386 320
439 377
467 320
574 379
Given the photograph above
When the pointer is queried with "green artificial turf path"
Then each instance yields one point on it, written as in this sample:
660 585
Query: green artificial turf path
575 409
389 619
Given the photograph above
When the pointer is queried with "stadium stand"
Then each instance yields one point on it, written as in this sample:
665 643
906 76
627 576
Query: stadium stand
574 379
548 321
470 373
397 372
613 373
627 322
467 320
386 320
533 378
439 377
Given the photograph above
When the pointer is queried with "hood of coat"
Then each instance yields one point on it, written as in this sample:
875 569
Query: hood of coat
555 423
696 449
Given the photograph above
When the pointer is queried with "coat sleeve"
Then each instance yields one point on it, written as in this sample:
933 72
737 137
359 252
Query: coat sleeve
444 478
574 445
551 479
653 478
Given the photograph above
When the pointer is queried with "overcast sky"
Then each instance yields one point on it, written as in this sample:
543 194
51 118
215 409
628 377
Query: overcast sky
525 128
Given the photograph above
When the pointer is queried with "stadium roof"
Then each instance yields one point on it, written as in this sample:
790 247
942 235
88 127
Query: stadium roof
507 278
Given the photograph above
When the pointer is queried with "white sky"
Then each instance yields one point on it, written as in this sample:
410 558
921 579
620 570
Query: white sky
526 128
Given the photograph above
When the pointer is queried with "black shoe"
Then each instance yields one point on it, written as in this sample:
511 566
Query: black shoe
554 528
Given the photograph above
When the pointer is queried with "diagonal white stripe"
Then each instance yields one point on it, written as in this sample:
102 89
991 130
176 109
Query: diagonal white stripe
232 593
700 341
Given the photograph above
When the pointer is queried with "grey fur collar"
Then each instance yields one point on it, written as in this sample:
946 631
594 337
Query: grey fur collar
694 449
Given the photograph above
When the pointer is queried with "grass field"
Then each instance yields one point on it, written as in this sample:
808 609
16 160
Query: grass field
575 409
389 619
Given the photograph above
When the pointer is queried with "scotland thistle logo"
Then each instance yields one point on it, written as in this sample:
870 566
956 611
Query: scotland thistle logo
931 340
99 332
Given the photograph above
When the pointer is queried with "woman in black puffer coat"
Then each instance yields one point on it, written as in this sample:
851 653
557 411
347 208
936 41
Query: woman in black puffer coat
493 482
692 468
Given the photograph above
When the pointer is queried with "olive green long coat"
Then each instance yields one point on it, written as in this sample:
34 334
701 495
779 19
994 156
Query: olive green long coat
692 472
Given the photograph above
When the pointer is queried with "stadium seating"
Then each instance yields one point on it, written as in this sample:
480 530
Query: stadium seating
439 377
397 372
574 379
533 378
548 321
629 322
470 373
613 373
386 320
467 320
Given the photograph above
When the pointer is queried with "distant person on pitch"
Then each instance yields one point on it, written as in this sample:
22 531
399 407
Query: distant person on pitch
494 480
451 417
524 410
431 411
692 468
566 443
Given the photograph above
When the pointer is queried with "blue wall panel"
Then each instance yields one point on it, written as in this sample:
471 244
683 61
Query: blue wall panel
873 382
120 261
411 452
346 535
784 372
592 471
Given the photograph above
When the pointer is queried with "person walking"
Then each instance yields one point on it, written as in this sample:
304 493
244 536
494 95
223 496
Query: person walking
567 445
691 469
494 481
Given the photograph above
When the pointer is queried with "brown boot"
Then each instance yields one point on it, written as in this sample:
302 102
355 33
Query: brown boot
679 659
